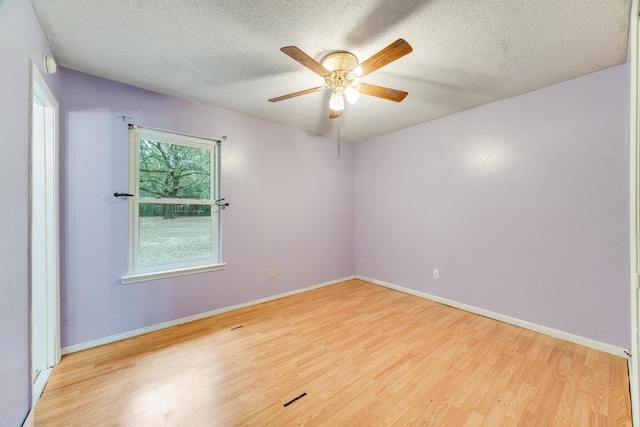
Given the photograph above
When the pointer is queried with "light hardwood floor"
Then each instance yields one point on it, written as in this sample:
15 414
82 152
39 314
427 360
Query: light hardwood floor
363 354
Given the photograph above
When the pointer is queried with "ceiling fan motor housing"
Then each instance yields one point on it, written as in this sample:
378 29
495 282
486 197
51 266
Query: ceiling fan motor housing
340 64
340 61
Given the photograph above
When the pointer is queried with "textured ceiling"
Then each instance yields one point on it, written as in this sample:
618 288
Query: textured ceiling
226 53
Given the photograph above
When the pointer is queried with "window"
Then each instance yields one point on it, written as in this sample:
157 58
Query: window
174 222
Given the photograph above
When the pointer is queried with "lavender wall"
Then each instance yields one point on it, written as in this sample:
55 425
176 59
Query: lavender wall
291 209
21 40
521 204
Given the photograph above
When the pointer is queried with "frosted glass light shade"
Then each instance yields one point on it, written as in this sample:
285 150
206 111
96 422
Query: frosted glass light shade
352 95
336 102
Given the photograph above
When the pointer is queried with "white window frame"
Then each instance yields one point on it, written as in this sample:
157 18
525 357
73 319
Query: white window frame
139 272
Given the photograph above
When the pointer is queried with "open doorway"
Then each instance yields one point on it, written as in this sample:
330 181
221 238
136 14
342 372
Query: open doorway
45 330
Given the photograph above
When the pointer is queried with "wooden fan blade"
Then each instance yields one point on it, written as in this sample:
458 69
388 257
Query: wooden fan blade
294 94
306 60
334 114
382 92
395 50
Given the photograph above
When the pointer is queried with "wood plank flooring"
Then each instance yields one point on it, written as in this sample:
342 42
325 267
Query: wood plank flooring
363 354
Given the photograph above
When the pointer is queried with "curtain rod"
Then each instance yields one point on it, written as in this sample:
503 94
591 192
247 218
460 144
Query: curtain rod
134 126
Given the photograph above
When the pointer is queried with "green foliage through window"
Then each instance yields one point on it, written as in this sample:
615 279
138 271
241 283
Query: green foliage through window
174 171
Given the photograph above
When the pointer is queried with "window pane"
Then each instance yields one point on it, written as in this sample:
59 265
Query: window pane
172 232
174 171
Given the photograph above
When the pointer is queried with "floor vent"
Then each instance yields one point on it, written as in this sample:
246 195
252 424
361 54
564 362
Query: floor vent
293 400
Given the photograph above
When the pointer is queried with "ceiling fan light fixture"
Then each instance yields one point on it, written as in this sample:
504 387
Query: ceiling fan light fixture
352 94
342 73
337 101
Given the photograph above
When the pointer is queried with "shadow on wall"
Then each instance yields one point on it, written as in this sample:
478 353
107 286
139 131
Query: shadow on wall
381 18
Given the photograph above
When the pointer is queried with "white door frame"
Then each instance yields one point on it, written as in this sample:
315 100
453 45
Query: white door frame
44 248
634 210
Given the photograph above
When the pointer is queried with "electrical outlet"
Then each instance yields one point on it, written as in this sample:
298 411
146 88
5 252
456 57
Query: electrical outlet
272 273
436 274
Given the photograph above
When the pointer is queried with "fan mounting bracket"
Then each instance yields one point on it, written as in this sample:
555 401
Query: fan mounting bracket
340 61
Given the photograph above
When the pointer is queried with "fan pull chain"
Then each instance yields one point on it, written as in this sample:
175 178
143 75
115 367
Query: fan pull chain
339 121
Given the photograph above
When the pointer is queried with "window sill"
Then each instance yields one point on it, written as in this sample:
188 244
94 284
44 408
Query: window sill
143 277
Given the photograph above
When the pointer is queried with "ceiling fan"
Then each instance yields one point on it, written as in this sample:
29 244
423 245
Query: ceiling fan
342 73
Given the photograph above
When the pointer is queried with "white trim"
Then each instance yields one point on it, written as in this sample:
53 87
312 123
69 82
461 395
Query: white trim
143 277
30 420
38 385
634 211
48 166
118 337
41 91
587 342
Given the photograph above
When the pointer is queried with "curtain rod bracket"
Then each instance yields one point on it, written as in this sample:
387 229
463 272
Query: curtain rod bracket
222 205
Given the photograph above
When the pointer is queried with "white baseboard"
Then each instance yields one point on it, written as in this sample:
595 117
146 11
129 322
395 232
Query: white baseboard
38 385
30 420
118 337
587 342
